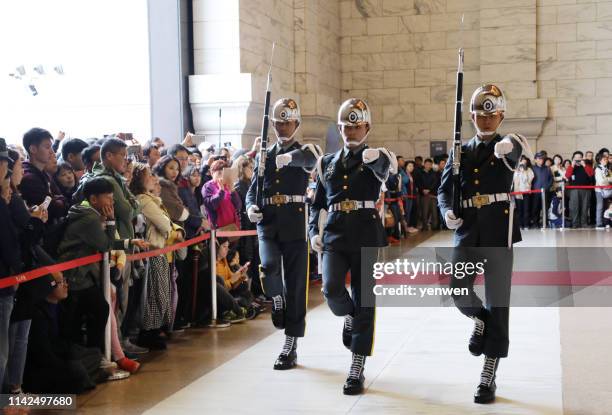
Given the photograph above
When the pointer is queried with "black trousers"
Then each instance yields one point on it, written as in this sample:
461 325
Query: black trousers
294 287
336 264
89 305
497 284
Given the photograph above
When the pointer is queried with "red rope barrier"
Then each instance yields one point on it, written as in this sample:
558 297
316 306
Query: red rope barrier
589 187
39 272
92 259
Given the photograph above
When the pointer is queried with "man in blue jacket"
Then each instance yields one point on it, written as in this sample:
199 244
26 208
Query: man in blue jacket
542 179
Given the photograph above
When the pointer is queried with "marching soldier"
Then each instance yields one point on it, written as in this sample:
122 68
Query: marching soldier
486 220
348 186
281 226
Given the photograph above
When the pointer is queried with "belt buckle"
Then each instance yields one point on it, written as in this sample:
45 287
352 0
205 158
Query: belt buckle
348 205
480 200
279 199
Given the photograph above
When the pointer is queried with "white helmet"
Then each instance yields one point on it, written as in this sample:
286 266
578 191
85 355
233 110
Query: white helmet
354 112
487 100
285 110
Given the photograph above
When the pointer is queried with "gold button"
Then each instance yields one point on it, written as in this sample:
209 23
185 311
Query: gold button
506 211
475 170
277 181
345 187
278 193
277 170
345 177
476 182
373 216
300 209
360 168
492 163
477 193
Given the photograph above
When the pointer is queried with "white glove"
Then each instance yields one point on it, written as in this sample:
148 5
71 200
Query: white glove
317 243
370 155
283 160
254 214
504 147
451 220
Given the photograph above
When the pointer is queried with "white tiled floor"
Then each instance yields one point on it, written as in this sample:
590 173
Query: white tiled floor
421 364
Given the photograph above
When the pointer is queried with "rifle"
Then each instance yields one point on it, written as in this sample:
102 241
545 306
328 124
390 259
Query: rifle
264 138
457 139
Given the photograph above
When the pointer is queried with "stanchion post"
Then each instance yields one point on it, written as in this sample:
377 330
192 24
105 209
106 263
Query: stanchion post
213 279
543 192
562 206
194 283
106 282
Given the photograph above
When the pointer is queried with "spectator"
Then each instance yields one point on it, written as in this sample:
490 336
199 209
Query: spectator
113 156
55 364
558 172
588 156
71 153
542 180
410 198
579 174
603 177
523 178
157 305
159 143
91 229
233 283
29 226
151 153
195 223
65 179
248 247
90 156
10 260
168 171
36 184
429 190
222 204
392 203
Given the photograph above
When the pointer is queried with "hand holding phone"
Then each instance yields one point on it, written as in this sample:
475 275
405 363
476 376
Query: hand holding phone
45 204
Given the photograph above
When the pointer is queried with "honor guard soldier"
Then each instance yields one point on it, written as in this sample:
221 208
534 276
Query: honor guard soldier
486 220
348 186
281 226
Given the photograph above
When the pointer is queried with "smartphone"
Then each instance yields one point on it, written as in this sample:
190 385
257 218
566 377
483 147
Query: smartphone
45 204
198 139
134 150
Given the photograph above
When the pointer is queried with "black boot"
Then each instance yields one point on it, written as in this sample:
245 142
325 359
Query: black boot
476 345
287 359
347 331
355 380
485 393
278 312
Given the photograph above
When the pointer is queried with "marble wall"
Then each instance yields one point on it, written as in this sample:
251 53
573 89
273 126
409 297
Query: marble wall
553 58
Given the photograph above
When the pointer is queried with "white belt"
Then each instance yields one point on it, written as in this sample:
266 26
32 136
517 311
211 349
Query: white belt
482 200
282 199
350 205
